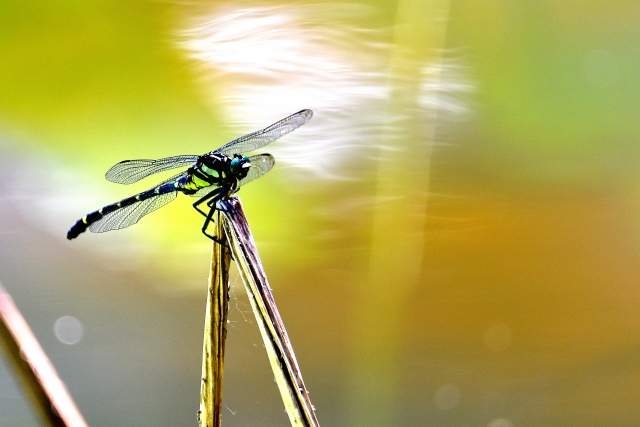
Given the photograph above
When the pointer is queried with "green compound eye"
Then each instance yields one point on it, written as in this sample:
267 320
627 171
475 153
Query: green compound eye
235 164
239 163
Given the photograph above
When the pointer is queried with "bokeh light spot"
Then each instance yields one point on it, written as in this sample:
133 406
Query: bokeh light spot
447 397
68 330
500 422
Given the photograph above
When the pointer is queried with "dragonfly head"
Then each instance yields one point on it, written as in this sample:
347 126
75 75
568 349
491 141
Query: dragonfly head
240 166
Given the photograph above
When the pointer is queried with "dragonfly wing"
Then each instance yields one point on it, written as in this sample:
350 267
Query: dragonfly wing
130 171
262 137
131 214
260 164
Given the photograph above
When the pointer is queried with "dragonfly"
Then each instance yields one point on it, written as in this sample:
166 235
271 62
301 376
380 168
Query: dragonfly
211 177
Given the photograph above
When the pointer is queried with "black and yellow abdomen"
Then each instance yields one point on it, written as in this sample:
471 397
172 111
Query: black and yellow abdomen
82 224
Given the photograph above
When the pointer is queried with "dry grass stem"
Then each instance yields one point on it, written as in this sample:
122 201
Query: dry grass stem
280 352
215 332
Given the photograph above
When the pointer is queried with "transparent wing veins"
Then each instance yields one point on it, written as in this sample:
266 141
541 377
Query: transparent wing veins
130 171
260 164
260 138
131 214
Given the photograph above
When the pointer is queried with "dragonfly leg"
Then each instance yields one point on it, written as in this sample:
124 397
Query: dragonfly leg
209 217
214 194
214 238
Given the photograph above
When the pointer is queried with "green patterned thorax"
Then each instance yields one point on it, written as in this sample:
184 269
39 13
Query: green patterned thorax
217 169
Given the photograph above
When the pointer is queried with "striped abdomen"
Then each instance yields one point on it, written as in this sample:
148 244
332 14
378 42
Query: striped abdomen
82 224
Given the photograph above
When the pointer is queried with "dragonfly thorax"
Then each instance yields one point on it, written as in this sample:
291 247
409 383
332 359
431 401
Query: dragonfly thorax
217 169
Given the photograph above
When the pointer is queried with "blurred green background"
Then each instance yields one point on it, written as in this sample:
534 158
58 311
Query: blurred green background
452 240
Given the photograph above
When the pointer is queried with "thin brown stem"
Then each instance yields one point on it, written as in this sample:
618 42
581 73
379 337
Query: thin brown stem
34 371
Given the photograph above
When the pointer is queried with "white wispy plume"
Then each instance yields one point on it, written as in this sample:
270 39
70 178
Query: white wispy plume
267 63
264 63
